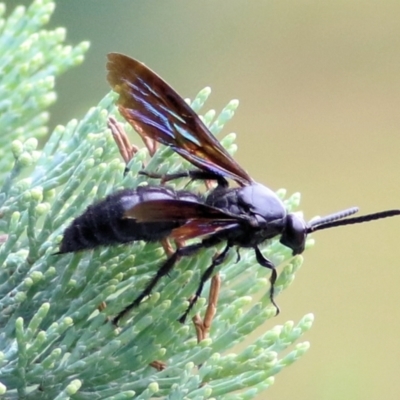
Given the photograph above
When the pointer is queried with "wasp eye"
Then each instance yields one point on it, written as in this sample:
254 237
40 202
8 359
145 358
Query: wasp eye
294 234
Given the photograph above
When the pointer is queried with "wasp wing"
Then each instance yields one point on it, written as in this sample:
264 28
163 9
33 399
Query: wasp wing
196 228
156 111
198 219
177 210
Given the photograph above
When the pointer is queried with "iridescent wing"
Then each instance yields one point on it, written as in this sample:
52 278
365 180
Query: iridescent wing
199 219
177 210
197 228
156 111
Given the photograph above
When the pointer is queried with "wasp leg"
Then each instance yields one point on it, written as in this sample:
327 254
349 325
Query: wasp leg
126 149
268 264
162 271
203 326
150 144
237 255
206 275
168 249
212 303
122 140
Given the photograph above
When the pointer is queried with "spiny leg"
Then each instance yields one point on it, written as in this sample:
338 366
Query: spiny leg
206 275
212 303
203 326
162 271
168 249
121 138
126 149
264 262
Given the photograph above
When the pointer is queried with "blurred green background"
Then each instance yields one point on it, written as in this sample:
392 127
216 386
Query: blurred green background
319 87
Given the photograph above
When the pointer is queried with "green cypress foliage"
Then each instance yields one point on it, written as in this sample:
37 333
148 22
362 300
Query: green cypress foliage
54 342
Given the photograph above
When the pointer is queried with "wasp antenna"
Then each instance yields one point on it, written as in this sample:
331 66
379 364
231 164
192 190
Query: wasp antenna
312 225
332 221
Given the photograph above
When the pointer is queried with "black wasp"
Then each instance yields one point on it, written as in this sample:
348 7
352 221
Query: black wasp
243 216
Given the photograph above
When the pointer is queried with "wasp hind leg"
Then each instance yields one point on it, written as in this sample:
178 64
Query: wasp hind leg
165 269
203 326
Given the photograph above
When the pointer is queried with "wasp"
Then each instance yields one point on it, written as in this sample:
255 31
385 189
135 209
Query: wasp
244 215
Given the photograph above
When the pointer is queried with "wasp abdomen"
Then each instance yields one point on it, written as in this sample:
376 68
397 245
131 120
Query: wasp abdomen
103 223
